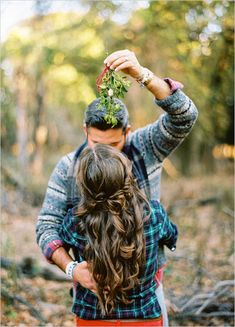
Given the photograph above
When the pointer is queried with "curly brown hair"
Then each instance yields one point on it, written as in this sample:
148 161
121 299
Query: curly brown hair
111 215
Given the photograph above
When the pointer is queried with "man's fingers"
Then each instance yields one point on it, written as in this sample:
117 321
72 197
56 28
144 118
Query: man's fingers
85 277
123 66
94 290
83 264
116 55
119 62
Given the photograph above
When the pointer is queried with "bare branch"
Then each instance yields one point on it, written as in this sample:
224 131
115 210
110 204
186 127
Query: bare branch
35 313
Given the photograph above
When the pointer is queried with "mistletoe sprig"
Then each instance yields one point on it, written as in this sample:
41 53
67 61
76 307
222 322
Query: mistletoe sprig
113 86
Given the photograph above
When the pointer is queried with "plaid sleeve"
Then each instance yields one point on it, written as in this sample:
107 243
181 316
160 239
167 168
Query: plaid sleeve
166 230
50 249
67 230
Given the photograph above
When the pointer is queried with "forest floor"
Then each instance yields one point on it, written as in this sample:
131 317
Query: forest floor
198 278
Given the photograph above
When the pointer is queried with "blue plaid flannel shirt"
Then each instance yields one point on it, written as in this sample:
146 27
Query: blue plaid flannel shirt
158 229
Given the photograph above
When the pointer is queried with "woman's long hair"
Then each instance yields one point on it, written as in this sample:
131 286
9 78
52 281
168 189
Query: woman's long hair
111 216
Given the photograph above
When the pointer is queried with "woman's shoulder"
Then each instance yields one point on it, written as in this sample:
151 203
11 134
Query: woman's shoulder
71 220
155 206
157 211
72 225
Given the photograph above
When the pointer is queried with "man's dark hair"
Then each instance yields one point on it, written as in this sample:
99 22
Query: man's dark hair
94 117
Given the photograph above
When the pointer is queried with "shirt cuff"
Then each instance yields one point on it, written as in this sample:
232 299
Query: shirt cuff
174 85
50 249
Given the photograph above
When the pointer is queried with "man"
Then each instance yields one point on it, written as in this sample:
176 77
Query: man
146 148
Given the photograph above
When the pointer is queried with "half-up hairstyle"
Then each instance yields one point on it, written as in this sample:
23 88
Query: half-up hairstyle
111 216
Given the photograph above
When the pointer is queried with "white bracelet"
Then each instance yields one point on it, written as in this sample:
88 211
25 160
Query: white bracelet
145 77
69 268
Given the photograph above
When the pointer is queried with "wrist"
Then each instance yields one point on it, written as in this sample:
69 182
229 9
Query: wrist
70 268
146 76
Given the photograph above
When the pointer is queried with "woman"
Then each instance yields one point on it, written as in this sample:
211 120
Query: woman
116 231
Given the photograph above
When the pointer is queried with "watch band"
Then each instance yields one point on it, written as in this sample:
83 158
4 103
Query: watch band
69 268
146 77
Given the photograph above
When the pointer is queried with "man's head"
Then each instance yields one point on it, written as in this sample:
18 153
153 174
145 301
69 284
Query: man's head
98 130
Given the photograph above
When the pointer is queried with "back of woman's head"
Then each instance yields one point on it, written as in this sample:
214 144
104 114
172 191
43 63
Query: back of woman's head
105 175
111 213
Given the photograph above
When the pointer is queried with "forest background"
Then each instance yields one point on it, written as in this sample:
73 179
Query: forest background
49 65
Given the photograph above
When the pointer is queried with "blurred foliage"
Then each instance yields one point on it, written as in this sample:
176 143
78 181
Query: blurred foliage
50 63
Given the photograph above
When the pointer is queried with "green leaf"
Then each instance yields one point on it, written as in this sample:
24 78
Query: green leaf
119 85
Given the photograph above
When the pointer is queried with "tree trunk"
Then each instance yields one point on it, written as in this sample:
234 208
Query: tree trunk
21 120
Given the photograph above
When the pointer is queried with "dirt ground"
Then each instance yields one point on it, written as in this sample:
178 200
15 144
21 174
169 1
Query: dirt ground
203 210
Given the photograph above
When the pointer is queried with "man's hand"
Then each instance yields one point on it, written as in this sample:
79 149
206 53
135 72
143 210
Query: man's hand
81 272
125 61
82 275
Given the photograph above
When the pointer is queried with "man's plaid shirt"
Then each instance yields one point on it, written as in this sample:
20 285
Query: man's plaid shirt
157 229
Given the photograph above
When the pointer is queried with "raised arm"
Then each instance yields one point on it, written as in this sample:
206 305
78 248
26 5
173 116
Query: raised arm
156 141
126 61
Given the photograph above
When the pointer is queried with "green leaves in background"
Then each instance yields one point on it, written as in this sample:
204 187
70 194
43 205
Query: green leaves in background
50 62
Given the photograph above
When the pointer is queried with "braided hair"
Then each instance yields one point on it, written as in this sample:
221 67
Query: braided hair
111 215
